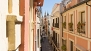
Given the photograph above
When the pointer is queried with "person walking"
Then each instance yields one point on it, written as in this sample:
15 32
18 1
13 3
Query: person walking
43 35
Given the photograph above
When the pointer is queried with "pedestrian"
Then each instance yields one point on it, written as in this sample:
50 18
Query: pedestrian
43 35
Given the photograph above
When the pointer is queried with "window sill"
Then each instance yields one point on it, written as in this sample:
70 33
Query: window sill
81 34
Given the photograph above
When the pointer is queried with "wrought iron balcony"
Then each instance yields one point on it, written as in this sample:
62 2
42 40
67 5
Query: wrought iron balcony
70 26
64 25
81 27
57 25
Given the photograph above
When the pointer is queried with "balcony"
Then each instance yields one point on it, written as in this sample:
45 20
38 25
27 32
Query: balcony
70 26
57 25
63 47
81 27
64 25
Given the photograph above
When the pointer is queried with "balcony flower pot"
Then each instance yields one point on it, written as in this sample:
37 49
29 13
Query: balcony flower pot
79 25
63 47
64 25
70 26
83 24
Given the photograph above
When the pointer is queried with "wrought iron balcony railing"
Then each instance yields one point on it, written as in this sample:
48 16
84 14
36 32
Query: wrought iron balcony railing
81 27
57 25
70 26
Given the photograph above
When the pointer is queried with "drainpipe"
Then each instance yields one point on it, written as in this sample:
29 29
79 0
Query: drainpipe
88 4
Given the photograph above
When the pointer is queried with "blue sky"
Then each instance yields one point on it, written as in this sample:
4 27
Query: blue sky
48 5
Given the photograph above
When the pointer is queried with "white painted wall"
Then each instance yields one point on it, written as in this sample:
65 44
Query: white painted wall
17 35
37 27
15 11
15 7
3 12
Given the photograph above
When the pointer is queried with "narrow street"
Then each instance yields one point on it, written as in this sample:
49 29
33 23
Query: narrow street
46 46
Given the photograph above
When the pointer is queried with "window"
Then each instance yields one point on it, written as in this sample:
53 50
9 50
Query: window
53 35
71 46
71 18
70 24
81 23
65 18
82 17
53 22
48 22
56 20
64 22
38 36
58 40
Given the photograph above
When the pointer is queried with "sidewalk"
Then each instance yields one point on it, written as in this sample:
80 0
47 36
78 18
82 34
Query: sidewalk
46 46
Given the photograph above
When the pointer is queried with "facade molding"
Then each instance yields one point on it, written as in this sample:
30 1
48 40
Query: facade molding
14 18
76 5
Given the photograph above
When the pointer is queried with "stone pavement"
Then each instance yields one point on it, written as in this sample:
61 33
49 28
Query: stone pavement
46 46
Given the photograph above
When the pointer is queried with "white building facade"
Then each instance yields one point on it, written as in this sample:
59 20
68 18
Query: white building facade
56 34
5 23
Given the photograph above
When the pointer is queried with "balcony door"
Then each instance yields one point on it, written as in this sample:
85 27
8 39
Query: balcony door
71 46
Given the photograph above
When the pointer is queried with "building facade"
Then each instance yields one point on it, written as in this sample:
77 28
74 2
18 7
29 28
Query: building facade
76 26
16 25
38 28
10 24
56 36
35 24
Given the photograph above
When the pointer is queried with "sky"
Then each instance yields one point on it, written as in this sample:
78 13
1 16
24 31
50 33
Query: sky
48 5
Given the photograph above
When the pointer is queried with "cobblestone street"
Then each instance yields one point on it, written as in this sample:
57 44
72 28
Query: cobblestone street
46 46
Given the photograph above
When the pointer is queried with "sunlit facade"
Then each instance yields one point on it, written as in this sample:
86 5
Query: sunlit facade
56 33
17 18
76 26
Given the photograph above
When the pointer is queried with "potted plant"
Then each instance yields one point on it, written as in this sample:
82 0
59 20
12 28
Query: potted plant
64 25
63 47
70 26
78 27
83 24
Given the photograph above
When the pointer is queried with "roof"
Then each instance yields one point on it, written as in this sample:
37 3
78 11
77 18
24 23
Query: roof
76 5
